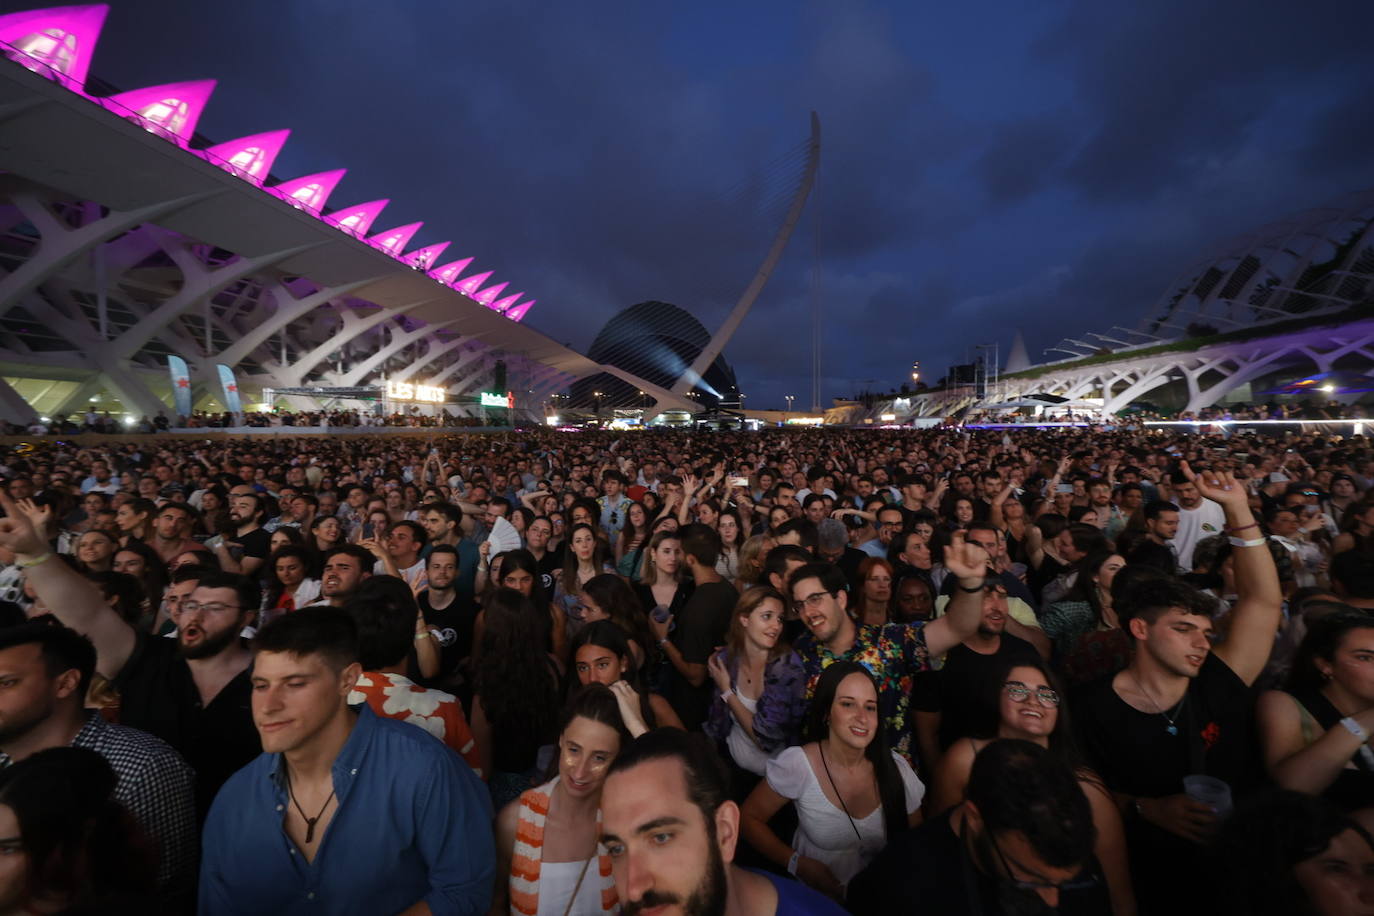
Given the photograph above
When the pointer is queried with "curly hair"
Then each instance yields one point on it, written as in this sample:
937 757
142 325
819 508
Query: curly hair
514 678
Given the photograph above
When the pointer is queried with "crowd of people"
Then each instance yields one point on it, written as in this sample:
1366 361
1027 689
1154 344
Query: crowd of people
797 672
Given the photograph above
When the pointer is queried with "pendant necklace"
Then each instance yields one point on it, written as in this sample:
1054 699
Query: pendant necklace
1172 729
310 822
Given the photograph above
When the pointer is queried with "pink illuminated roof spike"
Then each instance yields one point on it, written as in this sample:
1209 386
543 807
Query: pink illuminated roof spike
394 241
519 311
421 258
488 295
357 220
503 304
250 158
451 271
55 43
309 192
170 111
473 283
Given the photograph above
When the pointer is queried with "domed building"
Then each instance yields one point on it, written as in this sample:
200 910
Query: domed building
656 341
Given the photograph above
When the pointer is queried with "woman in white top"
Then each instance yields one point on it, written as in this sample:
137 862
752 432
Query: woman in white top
753 655
731 537
852 794
550 860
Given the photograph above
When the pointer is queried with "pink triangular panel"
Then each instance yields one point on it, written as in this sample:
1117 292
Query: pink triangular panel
56 42
450 271
250 158
421 258
394 241
472 284
170 111
519 311
309 192
488 295
503 304
357 220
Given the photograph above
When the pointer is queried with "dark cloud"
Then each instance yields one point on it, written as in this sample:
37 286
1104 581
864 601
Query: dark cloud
1054 173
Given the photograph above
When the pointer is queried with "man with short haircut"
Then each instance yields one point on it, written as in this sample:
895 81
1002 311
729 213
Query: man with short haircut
889 526
443 524
384 641
671 784
345 568
193 692
345 812
1181 708
246 511
100 480
449 615
895 653
701 627
46 670
178 591
613 502
171 527
399 555
800 532
1020 843
1198 518
813 508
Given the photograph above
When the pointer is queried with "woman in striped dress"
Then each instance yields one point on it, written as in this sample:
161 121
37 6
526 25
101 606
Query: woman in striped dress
549 859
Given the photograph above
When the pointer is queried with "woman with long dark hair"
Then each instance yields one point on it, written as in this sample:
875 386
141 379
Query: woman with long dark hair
661 582
1088 640
731 531
601 655
515 694
142 562
1315 732
326 533
585 558
609 597
548 841
135 519
872 602
852 793
1024 701
289 584
66 844
629 547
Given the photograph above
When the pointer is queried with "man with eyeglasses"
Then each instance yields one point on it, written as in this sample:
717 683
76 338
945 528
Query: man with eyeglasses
895 653
1020 844
192 692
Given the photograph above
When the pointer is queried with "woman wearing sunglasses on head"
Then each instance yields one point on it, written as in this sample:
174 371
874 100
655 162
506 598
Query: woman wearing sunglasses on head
1025 703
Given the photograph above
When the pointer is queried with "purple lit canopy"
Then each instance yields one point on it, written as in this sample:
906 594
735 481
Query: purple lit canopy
249 158
357 220
394 241
55 42
170 110
309 191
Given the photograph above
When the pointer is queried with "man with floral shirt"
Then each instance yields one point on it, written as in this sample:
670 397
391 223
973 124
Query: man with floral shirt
894 652
385 646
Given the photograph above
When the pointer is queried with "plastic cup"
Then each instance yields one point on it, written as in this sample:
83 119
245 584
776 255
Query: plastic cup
1210 791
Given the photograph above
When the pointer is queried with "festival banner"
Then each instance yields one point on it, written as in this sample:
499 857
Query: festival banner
181 385
231 389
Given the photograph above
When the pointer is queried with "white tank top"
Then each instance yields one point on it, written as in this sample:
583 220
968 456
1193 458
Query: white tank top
556 883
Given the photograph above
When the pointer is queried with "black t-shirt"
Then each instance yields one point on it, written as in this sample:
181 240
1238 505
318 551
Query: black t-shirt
700 630
159 696
957 689
256 543
452 627
550 566
1135 755
928 870
1049 570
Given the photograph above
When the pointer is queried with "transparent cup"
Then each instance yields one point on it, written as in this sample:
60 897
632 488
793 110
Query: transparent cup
1210 791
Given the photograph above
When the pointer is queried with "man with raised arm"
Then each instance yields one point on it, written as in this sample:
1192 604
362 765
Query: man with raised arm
1181 709
193 691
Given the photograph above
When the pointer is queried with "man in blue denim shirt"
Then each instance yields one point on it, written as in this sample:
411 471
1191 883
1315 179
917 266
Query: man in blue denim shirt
344 812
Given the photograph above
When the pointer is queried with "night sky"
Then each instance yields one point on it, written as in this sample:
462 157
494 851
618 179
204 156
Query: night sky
1050 166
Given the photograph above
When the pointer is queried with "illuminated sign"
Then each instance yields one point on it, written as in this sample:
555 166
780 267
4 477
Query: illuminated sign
805 421
887 417
491 399
405 391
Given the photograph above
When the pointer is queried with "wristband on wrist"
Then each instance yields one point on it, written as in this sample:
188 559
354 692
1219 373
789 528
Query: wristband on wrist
971 590
1253 542
792 864
36 561
1243 527
421 635
1355 728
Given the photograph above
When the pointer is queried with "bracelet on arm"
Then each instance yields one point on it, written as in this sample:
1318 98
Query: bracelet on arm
1355 728
1241 542
792 863
1243 527
979 588
36 561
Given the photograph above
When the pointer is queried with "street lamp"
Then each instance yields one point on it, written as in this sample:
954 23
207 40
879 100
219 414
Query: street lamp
789 398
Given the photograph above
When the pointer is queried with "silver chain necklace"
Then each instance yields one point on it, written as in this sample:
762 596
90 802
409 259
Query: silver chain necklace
1172 728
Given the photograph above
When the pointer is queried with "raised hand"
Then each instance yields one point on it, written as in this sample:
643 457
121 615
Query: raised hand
965 559
39 516
1219 486
17 533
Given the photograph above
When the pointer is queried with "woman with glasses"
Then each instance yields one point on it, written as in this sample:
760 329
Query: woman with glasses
1024 703
853 795
548 840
